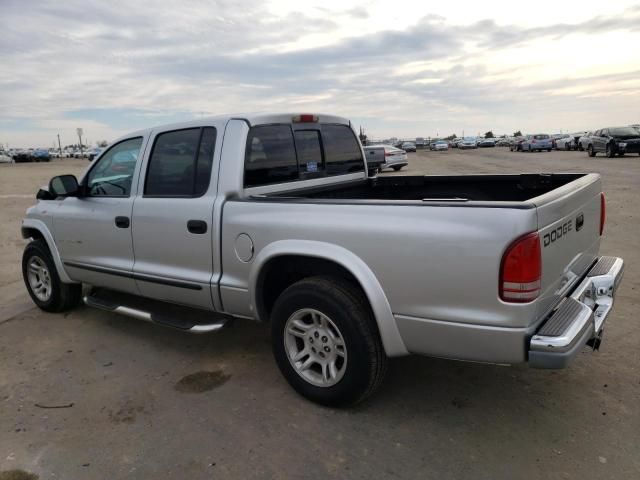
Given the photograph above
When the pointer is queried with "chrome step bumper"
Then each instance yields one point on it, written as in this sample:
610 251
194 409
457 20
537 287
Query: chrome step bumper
579 319
186 319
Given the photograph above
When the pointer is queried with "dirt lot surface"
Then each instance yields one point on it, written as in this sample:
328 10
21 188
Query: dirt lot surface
139 401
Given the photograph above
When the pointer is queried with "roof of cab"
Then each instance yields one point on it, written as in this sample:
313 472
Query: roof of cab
251 118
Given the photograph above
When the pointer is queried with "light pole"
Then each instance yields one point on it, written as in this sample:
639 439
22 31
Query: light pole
79 130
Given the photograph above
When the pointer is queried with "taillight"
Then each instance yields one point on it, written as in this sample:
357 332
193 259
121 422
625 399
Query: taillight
388 154
521 270
603 212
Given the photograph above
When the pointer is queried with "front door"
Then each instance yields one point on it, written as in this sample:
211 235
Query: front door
173 230
93 232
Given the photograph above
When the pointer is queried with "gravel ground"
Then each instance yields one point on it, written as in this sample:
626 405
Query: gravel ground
139 401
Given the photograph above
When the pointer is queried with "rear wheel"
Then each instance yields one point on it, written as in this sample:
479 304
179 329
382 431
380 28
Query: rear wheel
567 147
591 151
396 168
43 283
326 342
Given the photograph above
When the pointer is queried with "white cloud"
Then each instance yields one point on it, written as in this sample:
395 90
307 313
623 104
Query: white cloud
400 68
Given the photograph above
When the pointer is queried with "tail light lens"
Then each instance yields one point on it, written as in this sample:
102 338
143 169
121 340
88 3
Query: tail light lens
603 212
521 270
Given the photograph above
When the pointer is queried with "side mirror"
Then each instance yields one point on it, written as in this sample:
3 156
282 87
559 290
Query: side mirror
64 186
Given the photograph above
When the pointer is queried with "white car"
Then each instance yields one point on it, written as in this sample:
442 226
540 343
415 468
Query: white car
565 143
441 145
380 157
5 157
468 142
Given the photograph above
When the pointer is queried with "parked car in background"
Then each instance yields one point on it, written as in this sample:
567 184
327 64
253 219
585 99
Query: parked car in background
40 155
564 143
584 140
503 142
420 142
614 141
93 153
537 142
22 156
409 147
380 157
441 145
5 157
468 142
515 145
486 142
455 143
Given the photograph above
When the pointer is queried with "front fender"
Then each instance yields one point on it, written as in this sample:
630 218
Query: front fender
391 339
40 226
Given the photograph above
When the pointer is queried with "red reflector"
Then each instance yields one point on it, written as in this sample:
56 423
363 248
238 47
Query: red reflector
305 118
603 212
521 270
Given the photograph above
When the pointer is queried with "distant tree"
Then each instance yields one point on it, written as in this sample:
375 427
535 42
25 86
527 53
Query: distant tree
517 134
451 137
102 143
489 134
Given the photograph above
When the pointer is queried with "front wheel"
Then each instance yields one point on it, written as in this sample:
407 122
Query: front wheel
590 151
609 152
326 342
43 283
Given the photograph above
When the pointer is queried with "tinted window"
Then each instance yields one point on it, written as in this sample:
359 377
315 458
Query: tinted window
624 131
341 149
270 156
309 152
180 163
112 175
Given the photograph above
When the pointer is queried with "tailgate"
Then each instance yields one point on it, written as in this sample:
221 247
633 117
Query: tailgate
569 228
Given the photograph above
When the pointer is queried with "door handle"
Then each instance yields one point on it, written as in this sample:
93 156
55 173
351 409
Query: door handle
122 222
197 226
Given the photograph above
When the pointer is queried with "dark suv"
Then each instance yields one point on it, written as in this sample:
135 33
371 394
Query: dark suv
614 140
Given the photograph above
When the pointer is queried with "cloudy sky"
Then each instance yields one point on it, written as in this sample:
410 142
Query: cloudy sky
398 68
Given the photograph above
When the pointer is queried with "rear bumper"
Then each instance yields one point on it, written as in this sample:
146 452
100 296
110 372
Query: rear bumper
579 319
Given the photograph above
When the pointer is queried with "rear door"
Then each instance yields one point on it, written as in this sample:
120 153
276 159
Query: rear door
172 226
569 228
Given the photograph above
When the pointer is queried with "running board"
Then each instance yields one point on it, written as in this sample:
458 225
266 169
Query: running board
186 319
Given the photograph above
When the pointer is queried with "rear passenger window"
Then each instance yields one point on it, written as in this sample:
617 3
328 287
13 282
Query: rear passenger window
270 156
309 152
180 163
341 149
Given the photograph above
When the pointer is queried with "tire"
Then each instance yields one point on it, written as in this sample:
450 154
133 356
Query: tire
60 296
548 149
580 147
609 152
621 154
567 147
397 169
590 151
304 304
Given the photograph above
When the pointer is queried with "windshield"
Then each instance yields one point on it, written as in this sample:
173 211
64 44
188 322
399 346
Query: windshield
624 131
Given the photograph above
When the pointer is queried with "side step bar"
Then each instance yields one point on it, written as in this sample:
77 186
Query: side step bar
186 319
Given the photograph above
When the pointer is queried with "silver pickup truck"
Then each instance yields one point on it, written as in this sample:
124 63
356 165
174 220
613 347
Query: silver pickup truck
274 218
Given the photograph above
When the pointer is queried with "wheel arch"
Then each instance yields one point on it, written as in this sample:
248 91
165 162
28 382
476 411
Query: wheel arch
317 258
38 230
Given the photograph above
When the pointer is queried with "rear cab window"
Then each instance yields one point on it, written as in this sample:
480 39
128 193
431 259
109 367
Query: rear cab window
180 163
280 153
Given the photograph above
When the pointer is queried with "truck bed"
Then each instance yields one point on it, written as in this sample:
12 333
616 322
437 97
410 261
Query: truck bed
460 188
